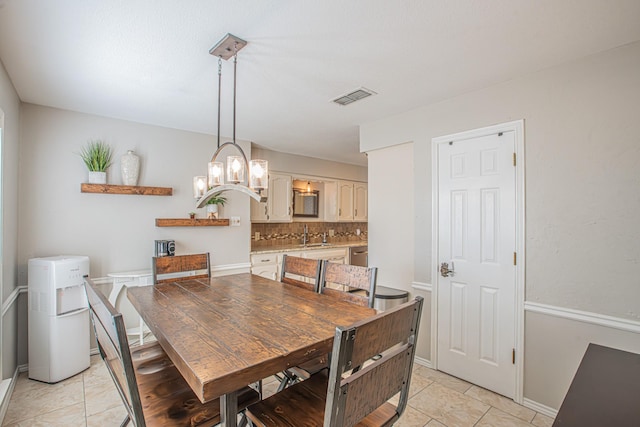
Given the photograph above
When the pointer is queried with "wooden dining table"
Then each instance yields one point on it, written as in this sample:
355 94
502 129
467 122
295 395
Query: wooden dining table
230 331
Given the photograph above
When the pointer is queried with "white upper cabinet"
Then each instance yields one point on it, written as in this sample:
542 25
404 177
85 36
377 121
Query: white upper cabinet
277 208
338 200
280 193
352 201
345 201
360 194
259 211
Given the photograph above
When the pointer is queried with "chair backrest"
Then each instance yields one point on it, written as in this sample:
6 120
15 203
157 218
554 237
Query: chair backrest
112 340
391 334
196 266
349 277
301 268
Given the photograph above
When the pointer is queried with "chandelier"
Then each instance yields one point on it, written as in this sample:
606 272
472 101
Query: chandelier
257 180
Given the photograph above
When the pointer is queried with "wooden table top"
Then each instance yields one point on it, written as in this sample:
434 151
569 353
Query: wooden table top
605 390
230 331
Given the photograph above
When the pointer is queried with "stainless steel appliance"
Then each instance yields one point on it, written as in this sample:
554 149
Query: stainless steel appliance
387 298
359 255
165 248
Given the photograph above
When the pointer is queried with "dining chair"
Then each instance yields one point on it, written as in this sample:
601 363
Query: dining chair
346 396
152 389
293 270
353 279
300 269
181 267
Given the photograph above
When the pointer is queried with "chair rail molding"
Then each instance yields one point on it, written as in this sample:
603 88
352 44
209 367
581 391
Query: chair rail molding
622 324
13 297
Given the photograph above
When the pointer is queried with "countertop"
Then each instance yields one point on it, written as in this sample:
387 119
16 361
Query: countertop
312 246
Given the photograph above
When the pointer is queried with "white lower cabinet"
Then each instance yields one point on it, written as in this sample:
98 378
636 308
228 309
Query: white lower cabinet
269 265
265 265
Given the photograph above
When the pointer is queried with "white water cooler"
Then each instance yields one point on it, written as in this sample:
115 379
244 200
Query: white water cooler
58 317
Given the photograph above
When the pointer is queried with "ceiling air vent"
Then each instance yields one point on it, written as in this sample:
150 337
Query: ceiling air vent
354 96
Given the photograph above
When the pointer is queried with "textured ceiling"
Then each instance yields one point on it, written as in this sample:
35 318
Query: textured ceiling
147 60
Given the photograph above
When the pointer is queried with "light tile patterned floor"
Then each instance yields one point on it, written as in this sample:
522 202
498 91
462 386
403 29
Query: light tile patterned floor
90 399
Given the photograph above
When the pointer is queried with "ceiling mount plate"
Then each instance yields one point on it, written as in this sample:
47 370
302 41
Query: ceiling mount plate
227 47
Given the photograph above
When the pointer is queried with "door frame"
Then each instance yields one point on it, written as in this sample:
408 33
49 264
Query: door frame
516 126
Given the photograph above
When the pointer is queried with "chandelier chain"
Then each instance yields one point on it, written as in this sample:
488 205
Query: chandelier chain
235 67
219 94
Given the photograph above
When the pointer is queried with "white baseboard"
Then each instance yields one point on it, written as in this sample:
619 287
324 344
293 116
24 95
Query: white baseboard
6 390
227 269
421 286
626 325
423 362
539 407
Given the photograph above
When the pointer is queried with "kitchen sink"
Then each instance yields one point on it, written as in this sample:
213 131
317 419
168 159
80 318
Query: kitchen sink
314 245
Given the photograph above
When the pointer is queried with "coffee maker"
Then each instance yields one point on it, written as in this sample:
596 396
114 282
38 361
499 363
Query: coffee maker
165 248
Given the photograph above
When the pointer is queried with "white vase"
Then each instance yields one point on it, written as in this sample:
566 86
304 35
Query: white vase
212 211
97 177
130 168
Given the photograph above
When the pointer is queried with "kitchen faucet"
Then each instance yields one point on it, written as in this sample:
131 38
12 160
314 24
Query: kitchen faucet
305 235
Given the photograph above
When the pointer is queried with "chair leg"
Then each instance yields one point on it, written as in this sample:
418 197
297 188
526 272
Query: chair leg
125 421
289 379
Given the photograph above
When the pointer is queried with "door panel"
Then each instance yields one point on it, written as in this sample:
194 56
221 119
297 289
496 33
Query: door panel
476 237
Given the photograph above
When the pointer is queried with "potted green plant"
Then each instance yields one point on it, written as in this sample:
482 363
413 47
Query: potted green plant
212 205
97 156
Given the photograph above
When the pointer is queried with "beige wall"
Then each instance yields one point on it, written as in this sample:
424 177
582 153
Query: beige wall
117 232
582 179
301 165
10 118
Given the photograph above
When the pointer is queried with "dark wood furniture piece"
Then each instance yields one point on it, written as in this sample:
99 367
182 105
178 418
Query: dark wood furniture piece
195 222
225 332
187 264
125 189
346 396
293 270
351 277
604 392
153 391
303 268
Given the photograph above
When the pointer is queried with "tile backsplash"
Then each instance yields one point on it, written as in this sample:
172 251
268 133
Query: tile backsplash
285 234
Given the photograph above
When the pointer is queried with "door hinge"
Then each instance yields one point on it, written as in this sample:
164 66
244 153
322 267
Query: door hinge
513 356
514 159
515 259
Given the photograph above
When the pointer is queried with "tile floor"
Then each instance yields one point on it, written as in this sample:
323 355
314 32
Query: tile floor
90 399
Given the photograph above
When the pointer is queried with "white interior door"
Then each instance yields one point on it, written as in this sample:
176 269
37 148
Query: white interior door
476 301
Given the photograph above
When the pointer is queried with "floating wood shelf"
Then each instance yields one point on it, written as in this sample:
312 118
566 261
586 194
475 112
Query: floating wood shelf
187 222
126 189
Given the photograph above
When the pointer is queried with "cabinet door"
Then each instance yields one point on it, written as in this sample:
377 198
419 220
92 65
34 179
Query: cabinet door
279 202
331 201
345 201
266 271
259 211
360 193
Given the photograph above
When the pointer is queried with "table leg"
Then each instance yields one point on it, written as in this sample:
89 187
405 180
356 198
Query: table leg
229 409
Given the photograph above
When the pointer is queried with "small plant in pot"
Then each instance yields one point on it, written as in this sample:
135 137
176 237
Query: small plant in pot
97 156
212 205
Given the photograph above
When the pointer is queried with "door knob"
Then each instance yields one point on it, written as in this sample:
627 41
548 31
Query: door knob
445 271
